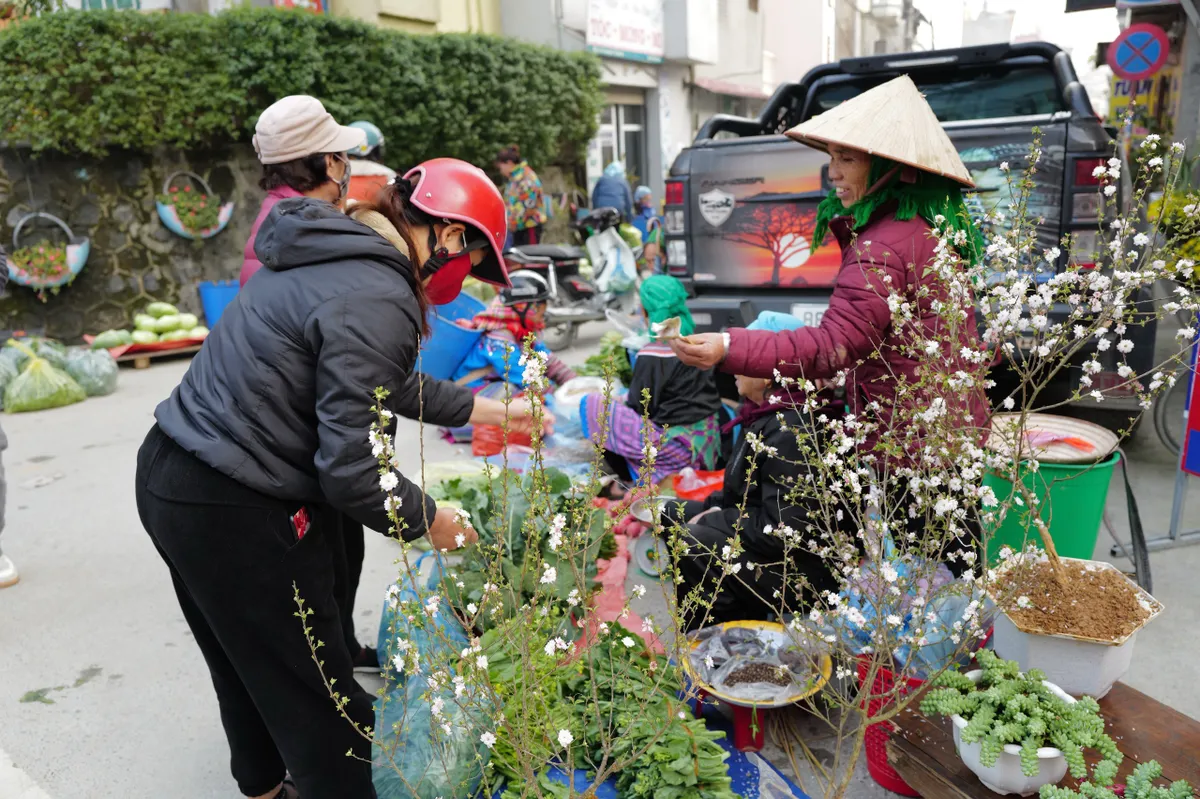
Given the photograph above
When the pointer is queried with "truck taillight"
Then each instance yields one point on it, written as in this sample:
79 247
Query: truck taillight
1085 206
674 192
1085 169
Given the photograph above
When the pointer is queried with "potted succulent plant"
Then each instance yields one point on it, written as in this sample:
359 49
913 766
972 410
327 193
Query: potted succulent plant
1140 785
1013 729
192 212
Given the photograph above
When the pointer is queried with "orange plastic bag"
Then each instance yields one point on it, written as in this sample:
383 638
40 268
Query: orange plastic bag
691 484
488 440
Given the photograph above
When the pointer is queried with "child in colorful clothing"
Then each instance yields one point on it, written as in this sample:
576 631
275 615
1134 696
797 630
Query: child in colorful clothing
684 404
518 312
523 196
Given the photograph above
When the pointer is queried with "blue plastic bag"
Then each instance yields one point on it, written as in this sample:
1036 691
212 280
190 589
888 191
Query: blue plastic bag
423 756
437 636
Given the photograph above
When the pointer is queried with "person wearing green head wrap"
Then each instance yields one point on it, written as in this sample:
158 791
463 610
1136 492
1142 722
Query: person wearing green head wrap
897 187
674 406
664 297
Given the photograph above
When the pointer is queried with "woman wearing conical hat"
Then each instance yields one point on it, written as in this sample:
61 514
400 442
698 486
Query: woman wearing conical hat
894 173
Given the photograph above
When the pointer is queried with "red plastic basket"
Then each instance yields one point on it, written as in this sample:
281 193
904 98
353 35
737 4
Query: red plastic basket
877 735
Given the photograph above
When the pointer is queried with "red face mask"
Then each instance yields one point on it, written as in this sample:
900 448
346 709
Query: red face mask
446 283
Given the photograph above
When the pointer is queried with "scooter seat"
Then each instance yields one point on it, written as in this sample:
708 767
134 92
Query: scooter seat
555 252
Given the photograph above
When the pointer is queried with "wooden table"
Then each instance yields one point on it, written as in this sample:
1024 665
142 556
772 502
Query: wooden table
922 751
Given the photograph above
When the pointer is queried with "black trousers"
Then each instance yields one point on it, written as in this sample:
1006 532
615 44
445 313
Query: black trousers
749 595
347 542
234 558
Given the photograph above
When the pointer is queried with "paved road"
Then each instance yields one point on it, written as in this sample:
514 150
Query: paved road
117 702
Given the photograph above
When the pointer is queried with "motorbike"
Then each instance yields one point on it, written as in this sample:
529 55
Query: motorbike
574 297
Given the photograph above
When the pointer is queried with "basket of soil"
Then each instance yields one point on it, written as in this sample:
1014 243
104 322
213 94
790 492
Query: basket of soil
1076 620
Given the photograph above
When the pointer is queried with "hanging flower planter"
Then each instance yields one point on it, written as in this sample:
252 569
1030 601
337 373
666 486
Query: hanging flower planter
189 213
43 266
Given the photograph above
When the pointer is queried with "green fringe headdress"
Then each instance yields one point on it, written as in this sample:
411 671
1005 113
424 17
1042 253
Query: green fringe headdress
928 197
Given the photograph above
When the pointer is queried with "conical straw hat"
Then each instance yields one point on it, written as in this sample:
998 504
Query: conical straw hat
893 121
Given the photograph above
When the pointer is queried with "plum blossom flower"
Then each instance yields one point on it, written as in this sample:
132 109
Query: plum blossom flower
565 738
388 481
488 740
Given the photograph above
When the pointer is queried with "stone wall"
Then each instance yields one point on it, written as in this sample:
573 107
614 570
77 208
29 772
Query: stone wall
134 259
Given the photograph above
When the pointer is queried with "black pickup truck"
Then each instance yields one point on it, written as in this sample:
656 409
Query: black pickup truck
741 200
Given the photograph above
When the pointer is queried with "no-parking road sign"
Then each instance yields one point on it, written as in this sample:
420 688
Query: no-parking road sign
1139 52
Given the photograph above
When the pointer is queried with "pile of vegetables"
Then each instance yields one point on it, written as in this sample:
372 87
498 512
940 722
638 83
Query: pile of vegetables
618 695
513 550
197 211
161 321
612 356
36 383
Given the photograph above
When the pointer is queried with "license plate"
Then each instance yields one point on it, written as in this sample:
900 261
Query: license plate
810 313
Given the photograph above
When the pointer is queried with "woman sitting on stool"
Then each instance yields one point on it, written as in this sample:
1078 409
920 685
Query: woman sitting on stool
753 506
683 407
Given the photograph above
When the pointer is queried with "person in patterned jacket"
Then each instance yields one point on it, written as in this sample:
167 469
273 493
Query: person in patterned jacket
523 196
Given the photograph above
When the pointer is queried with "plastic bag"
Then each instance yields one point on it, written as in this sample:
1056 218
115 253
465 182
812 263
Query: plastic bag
722 655
8 371
21 350
438 637
94 370
488 439
616 268
418 758
691 484
39 387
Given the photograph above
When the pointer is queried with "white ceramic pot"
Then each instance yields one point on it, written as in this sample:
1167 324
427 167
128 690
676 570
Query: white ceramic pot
1080 666
1005 777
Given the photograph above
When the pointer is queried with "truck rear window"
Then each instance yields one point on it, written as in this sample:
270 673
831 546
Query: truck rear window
964 94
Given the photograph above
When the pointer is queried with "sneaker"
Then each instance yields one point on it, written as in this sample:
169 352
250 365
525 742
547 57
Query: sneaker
9 576
367 660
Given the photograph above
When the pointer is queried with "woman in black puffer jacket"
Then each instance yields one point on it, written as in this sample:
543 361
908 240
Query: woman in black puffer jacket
270 422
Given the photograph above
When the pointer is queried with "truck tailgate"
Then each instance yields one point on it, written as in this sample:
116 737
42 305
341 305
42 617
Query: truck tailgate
752 202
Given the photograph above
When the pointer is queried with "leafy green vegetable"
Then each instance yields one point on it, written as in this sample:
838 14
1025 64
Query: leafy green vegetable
39 387
509 530
611 357
614 696
94 370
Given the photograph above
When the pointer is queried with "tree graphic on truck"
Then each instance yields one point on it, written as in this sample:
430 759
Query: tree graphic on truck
784 229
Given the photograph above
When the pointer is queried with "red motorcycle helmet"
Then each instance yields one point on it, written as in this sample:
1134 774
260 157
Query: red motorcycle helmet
447 188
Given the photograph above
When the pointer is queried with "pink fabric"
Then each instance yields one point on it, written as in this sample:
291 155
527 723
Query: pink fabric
609 602
859 323
250 262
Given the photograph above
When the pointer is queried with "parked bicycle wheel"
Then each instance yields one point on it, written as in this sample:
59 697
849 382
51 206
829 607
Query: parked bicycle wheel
1168 415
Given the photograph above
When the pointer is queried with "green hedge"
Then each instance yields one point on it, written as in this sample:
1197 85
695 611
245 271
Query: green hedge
83 81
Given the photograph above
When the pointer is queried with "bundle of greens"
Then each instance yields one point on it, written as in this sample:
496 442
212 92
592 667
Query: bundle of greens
1007 706
611 359
521 522
619 701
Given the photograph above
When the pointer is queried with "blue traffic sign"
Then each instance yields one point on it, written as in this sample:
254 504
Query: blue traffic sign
1139 52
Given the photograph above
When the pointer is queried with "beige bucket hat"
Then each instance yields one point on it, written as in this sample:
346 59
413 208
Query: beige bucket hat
893 121
299 126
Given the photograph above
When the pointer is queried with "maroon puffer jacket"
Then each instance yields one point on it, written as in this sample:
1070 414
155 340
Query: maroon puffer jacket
858 325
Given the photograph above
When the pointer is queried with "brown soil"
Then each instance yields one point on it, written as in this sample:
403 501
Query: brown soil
1098 604
759 672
